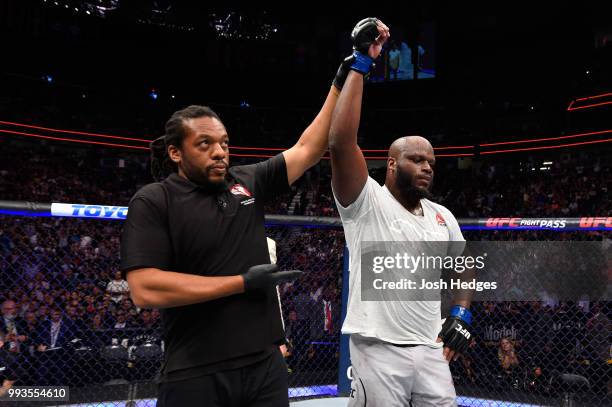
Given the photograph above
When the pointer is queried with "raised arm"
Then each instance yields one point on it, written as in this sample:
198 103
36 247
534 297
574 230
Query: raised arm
349 169
313 142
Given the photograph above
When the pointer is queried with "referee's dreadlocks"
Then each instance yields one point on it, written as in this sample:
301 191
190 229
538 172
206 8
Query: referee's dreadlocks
161 164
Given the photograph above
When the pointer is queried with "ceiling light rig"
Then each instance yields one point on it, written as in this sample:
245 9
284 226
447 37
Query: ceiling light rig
237 25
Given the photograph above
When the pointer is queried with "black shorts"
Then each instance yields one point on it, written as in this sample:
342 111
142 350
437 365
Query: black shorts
262 384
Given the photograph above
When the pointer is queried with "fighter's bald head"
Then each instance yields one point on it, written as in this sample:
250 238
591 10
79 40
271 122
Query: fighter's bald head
410 168
409 144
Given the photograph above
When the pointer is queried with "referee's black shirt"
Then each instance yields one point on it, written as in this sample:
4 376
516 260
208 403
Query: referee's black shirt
177 226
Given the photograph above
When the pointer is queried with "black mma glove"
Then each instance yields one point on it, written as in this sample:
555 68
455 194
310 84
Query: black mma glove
363 35
266 275
455 331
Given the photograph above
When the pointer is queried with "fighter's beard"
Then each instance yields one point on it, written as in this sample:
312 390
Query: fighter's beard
405 185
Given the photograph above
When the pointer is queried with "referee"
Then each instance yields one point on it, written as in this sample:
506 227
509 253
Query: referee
194 246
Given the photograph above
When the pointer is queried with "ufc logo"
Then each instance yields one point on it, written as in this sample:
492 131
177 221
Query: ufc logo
463 331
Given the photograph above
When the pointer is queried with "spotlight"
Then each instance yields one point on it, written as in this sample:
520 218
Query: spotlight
154 95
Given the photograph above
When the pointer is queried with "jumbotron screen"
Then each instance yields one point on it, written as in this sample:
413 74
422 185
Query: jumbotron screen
409 54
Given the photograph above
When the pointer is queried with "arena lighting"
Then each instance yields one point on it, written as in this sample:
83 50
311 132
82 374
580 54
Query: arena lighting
257 148
435 148
282 149
268 156
592 133
571 105
437 155
594 97
72 140
546 147
29 126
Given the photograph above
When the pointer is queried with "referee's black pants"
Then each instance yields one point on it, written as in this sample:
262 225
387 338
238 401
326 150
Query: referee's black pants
262 384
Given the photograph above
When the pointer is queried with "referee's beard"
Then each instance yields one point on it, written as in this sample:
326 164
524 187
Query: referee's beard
202 177
405 184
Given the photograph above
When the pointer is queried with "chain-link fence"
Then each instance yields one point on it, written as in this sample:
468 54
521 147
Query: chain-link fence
67 320
539 352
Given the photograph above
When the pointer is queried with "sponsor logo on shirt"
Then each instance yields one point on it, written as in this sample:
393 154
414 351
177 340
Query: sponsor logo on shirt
247 201
440 220
238 189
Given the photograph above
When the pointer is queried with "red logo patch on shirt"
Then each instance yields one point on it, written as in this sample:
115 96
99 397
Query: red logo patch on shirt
238 189
440 220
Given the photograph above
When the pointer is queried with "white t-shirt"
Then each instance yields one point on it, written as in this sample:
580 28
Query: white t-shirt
117 288
376 216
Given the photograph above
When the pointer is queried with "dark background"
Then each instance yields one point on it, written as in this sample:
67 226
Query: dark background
496 66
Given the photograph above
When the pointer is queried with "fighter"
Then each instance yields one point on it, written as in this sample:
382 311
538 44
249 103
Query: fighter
400 349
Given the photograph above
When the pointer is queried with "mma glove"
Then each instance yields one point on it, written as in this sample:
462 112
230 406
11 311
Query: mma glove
363 35
266 275
455 331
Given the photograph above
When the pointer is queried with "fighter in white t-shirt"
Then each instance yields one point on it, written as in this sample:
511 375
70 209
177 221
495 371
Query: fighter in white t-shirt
399 349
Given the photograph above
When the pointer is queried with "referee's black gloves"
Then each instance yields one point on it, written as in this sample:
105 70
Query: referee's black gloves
265 275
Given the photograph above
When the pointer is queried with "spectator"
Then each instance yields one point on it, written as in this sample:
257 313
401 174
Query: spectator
537 380
118 288
146 320
598 330
508 359
130 310
30 330
13 326
51 343
11 367
97 322
98 332
325 315
78 324
121 320
55 332
43 312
